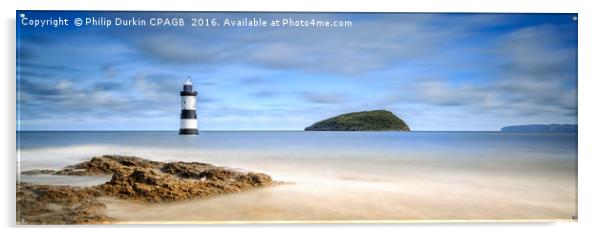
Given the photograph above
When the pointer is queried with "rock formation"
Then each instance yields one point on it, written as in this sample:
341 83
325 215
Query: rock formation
133 179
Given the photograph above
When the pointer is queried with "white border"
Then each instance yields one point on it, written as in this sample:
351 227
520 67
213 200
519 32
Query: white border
589 116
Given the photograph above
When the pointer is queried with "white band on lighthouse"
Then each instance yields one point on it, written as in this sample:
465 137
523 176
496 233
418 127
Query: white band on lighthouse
188 102
188 121
188 124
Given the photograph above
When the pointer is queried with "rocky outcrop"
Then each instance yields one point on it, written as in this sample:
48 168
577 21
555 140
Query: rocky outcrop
133 179
152 185
109 164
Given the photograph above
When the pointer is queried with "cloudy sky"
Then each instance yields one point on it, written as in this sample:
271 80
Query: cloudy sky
435 71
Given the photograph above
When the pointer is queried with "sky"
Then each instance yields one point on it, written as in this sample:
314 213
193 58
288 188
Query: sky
438 72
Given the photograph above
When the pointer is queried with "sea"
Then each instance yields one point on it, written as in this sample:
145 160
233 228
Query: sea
337 176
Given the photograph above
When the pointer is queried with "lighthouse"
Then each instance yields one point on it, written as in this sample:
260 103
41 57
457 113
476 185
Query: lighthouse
188 123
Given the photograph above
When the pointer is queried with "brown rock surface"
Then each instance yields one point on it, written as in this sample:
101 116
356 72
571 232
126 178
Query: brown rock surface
109 164
134 179
43 204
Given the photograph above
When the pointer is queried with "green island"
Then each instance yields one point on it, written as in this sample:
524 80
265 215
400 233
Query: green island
377 120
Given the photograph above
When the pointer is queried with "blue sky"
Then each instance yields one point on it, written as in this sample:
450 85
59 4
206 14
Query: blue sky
435 71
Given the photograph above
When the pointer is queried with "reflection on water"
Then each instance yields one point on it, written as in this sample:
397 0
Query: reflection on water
346 176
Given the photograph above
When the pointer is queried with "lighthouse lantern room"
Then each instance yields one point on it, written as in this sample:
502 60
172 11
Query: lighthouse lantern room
188 121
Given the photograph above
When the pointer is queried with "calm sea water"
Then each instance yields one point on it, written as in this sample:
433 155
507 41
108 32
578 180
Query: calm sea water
476 147
372 142
444 175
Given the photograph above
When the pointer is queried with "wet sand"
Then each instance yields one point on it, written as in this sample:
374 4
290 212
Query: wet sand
455 198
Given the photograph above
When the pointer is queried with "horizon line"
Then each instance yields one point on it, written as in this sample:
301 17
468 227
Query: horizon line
274 130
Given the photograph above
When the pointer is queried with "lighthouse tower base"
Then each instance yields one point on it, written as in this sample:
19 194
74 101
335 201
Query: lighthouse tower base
189 131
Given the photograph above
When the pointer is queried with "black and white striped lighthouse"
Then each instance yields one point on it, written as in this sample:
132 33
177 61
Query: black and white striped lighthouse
188 123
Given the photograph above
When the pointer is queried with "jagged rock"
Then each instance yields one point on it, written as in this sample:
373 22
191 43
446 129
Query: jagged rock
133 179
156 186
108 164
186 169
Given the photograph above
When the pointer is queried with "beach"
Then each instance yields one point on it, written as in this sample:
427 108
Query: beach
338 176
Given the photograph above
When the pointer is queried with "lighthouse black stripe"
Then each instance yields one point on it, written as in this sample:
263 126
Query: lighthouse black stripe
188 93
188 114
189 131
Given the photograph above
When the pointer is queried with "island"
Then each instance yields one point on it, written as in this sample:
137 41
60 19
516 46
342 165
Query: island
377 120
133 179
536 128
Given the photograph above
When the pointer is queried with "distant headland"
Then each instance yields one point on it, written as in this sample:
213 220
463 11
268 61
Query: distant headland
377 120
552 128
